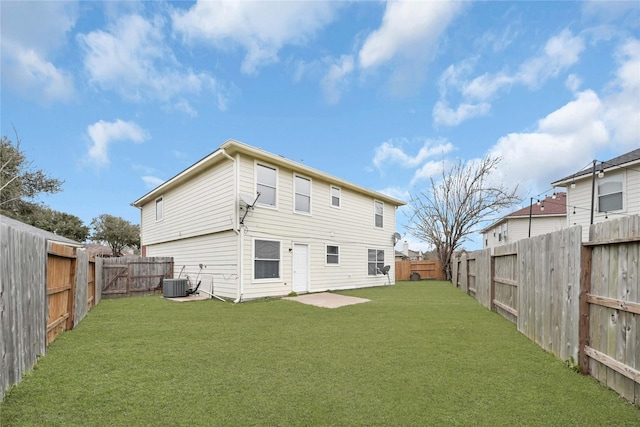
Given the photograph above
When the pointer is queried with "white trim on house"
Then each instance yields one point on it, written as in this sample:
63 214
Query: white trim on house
297 176
160 203
253 256
276 188
339 197
376 214
327 255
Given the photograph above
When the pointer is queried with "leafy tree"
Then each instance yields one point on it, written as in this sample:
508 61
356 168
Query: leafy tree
20 182
117 232
449 212
63 224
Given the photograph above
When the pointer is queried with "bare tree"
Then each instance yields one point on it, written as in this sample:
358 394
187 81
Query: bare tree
449 212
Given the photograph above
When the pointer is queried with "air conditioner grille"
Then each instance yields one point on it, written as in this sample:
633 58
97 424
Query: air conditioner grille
173 288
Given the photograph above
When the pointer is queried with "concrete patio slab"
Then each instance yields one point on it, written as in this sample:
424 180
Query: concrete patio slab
327 300
197 297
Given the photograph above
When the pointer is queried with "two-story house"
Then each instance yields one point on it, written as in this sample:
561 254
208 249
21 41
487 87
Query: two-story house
541 217
612 187
252 224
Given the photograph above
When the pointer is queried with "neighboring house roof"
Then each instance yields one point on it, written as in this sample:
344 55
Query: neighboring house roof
400 255
630 157
552 207
38 231
231 147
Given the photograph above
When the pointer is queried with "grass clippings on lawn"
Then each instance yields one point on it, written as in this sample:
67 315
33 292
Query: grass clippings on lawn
420 353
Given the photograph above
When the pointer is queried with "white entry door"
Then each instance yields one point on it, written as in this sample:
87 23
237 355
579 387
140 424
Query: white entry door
300 267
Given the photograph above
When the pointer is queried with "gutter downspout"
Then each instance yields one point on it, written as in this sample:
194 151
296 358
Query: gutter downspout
235 222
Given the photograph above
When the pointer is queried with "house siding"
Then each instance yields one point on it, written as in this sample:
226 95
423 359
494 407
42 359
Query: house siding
203 205
351 227
216 252
580 198
518 229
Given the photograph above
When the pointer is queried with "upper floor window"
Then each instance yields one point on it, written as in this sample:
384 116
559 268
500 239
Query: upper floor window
159 209
379 213
610 193
266 185
302 194
335 197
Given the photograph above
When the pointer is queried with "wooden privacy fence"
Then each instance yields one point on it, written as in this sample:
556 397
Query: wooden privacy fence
125 276
425 269
45 288
575 300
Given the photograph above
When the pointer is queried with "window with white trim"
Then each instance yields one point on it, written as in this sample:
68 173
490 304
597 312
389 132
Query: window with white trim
379 213
266 185
375 261
302 203
333 255
335 196
266 263
610 193
159 209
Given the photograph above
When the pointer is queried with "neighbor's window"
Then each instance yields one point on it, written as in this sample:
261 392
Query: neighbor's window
335 197
302 194
379 212
610 193
333 255
375 261
266 259
159 209
266 185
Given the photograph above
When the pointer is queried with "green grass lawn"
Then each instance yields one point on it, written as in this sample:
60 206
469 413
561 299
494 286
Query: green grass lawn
418 354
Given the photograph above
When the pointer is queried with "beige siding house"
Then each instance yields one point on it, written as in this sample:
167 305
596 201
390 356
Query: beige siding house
541 217
252 224
616 191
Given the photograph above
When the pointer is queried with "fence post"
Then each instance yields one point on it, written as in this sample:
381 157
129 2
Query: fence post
72 292
492 282
583 309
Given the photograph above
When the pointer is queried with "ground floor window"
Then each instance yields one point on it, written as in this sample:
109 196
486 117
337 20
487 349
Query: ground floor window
333 255
375 261
266 259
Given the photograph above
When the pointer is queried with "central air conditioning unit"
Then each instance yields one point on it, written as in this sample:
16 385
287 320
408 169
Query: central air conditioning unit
173 288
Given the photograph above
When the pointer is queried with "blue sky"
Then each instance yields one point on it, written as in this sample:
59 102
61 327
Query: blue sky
116 97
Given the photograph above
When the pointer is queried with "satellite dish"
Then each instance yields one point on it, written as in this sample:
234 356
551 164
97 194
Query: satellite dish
246 199
396 237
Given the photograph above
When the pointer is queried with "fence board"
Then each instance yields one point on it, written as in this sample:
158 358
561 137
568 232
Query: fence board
81 297
22 303
427 269
122 276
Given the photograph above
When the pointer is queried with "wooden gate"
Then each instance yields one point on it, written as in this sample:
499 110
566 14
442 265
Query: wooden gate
124 276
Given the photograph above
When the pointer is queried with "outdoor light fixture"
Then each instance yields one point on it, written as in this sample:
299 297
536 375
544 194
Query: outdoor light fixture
573 183
601 173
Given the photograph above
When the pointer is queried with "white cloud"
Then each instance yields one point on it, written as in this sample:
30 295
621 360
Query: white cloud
564 141
104 133
559 53
568 138
31 33
260 28
573 82
409 29
390 152
622 103
444 115
152 181
131 58
334 82
430 169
